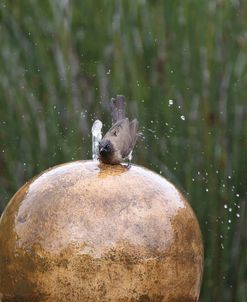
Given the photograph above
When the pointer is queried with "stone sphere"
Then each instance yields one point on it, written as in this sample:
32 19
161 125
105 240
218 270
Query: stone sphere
85 231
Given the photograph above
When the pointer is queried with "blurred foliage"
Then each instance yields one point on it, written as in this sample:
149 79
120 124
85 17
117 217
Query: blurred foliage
183 67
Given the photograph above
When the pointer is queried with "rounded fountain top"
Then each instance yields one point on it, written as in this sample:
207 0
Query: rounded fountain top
85 231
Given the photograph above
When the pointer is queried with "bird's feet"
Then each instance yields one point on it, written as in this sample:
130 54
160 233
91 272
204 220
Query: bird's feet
127 165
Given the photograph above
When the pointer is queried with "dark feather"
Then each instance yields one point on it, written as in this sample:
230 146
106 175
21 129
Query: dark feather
117 127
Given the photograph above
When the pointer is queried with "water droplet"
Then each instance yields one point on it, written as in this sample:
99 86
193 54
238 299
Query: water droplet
170 102
229 221
206 190
225 206
238 215
237 195
182 117
230 209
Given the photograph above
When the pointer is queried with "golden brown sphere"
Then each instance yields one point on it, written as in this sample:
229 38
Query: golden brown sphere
89 232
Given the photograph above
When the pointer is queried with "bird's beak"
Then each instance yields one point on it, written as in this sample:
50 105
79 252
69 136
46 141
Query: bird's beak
102 149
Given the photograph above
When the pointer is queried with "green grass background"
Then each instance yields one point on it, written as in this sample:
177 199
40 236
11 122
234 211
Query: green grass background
61 61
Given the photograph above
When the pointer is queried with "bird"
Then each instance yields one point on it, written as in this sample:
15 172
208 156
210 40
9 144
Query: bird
119 141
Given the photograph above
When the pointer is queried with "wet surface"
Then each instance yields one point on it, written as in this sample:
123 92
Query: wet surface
85 231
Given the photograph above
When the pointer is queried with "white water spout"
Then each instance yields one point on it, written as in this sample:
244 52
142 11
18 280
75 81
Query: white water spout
96 137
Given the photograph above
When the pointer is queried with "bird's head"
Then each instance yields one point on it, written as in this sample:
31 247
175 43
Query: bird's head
105 148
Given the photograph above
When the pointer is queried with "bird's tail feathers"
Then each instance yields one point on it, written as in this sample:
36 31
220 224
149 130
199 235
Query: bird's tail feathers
118 108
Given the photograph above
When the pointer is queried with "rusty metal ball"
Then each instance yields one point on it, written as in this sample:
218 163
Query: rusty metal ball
84 231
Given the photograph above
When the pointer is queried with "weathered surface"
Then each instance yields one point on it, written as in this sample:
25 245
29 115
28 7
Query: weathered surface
88 232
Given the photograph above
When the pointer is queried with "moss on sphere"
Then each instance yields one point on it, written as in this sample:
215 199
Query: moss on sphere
88 232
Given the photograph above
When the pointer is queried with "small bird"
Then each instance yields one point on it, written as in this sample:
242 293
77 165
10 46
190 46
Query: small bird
120 139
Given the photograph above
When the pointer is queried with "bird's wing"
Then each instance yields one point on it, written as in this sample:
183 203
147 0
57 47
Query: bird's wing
119 135
134 125
117 108
119 128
